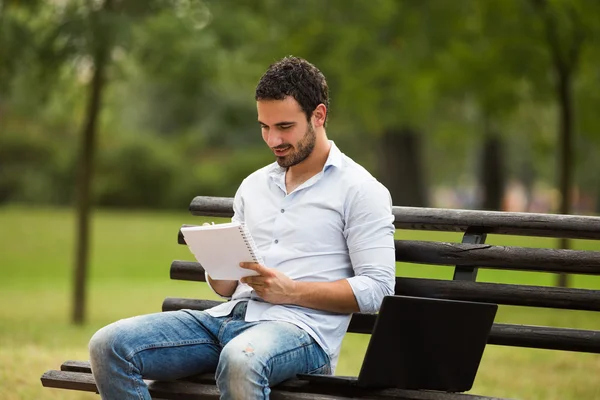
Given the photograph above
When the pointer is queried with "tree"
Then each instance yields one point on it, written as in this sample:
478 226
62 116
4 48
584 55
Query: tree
482 67
564 32
100 46
380 62
86 34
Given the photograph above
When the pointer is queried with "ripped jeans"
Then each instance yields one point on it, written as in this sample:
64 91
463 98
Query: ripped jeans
248 357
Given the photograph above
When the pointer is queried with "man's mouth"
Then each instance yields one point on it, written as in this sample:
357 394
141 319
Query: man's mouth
281 152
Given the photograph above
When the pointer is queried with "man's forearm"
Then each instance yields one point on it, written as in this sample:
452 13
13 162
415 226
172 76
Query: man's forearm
223 288
327 296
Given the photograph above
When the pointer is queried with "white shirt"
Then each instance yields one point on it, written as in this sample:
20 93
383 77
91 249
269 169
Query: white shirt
336 225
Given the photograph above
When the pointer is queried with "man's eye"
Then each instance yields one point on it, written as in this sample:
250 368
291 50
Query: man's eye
284 127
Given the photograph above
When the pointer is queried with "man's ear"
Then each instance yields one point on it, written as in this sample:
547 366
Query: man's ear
319 114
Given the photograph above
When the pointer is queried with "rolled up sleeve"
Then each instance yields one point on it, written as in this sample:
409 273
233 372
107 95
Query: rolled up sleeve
369 234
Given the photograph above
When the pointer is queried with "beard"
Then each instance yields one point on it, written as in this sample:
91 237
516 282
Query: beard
303 149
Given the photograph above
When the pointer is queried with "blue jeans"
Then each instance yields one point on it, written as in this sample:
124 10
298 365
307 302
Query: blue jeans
248 357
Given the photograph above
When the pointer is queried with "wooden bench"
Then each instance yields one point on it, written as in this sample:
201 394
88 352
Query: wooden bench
466 257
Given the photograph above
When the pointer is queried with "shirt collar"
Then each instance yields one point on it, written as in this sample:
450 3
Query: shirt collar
334 159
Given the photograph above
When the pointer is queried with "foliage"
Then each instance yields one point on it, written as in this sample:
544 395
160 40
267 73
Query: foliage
182 76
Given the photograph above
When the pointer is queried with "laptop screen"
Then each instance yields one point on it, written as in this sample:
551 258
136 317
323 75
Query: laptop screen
423 343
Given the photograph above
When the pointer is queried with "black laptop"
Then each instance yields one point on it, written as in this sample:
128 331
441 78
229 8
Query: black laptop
423 343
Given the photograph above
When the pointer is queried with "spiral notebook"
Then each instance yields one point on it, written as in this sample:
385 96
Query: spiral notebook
220 248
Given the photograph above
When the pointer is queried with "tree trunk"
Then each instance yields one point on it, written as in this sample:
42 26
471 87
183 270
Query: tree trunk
86 171
564 62
492 176
597 202
527 176
401 167
565 163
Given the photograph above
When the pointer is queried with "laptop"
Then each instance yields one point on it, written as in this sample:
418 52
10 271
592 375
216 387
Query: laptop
422 343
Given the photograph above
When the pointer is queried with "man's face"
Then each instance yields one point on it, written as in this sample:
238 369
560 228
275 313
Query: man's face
286 130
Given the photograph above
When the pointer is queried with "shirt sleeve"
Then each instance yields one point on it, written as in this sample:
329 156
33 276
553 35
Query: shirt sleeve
238 215
369 234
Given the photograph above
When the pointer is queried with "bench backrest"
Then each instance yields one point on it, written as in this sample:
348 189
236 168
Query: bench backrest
466 257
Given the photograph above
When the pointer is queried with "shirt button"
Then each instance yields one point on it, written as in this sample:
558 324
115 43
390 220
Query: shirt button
276 241
282 210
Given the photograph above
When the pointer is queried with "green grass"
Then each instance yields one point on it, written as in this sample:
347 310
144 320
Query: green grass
131 253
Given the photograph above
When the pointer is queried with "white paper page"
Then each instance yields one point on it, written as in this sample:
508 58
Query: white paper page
219 249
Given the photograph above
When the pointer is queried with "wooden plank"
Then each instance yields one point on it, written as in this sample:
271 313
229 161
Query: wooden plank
545 337
540 337
495 257
499 257
176 303
69 380
498 222
187 271
440 219
291 389
76 366
498 293
209 206
515 295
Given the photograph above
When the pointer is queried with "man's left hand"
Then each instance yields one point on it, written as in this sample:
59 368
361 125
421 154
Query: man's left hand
271 285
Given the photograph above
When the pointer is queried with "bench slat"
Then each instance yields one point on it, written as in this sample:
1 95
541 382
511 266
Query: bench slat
493 257
69 380
539 337
451 220
515 295
499 257
545 337
76 366
292 388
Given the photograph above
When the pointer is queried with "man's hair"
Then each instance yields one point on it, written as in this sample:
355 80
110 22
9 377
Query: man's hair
295 77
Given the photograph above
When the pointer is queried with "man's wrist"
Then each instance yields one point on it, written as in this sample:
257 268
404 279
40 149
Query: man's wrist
295 294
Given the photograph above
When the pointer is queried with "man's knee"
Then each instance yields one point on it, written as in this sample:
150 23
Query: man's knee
241 360
109 341
101 342
241 371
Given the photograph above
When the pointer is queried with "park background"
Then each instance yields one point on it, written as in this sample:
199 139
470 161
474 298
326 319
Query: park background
115 113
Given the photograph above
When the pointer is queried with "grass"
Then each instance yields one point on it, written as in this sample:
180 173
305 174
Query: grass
131 253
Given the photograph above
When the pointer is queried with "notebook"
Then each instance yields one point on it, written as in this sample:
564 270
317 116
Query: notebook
422 343
220 248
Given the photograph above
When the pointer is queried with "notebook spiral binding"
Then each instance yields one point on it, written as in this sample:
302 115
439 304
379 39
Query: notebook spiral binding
250 244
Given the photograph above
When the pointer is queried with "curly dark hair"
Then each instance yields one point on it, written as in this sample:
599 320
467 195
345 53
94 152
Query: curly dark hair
295 77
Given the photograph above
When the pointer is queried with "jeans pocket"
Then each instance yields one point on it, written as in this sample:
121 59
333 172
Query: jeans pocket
324 369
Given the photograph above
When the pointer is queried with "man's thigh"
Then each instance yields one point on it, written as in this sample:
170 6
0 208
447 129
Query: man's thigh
168 345
281 349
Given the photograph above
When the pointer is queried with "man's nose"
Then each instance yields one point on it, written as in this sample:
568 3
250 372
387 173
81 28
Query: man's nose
274 139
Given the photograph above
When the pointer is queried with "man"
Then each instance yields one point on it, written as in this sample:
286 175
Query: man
323 226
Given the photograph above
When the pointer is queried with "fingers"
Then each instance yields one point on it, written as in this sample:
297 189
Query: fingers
260 280
261 269
254 283
254 280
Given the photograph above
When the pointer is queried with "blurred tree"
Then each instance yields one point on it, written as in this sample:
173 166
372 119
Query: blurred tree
478 66
378 60
586 103
100 44
86 33
382 55
564 27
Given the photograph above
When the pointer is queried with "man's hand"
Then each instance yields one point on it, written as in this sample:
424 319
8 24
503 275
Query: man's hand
271 285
